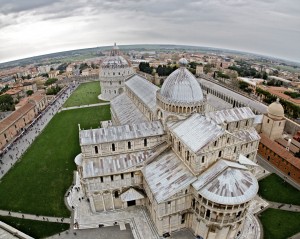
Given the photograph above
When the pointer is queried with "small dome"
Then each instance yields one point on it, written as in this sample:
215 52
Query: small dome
183 62
181 86
275 110
78 160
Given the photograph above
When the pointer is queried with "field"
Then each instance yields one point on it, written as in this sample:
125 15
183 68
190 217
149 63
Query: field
38 182
274 189
280 224
85 94
36 229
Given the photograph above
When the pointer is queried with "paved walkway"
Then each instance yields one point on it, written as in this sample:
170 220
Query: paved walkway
23 142
35 217
283 206
84 106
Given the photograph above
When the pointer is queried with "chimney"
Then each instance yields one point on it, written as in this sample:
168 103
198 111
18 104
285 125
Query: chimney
288 144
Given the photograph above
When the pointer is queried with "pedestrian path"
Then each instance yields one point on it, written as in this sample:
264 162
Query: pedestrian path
283 206
84 106
35 217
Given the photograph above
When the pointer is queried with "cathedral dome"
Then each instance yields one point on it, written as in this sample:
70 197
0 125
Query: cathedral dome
181 86
275 110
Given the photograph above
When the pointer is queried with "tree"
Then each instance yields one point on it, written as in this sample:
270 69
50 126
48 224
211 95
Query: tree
6 103
53 90
50 81
29 92
145 67
265 76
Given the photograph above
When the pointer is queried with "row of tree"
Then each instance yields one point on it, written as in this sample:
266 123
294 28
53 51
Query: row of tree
290 109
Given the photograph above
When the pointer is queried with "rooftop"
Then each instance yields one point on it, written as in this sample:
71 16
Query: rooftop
279 150
126 111
11 119
227 183
144 90
167 175
231 115
197 131
119 133
114 164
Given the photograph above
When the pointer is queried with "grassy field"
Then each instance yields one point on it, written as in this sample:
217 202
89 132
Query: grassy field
85 94
38 182
280 224
274 189
35 229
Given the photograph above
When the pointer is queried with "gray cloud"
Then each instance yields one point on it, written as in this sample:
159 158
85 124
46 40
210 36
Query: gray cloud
263 26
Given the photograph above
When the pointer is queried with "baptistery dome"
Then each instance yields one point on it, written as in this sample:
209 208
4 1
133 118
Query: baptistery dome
114 70
181 86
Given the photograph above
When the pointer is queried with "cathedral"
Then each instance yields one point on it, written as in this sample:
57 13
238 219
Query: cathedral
168 149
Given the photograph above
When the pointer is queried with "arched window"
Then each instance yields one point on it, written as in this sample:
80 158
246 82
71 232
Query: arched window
129 145
145 142
220 153
96 149
113 147
203 157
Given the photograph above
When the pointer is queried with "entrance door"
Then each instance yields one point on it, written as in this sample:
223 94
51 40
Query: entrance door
131 203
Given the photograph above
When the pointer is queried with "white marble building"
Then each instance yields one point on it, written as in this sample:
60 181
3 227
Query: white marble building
114 70
191 166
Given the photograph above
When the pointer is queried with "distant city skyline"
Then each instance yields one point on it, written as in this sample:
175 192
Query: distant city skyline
37 27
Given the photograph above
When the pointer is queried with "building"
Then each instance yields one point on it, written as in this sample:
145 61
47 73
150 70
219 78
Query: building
12 125
114 70
191 168
274 121
199 69
252 82
273 147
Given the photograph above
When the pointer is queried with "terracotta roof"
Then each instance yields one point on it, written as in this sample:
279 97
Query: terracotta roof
279 91
11 119
294 148
279 150
13 91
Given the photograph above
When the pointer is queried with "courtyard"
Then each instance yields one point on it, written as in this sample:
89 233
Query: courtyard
282 219
85 94
38 182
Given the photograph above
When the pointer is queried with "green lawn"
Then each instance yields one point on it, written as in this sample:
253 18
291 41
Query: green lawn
274 189
280 224
35 229
38 182
85 94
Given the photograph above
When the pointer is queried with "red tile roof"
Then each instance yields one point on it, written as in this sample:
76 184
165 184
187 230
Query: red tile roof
279 150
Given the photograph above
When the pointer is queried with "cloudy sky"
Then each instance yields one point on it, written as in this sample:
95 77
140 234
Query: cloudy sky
35 27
